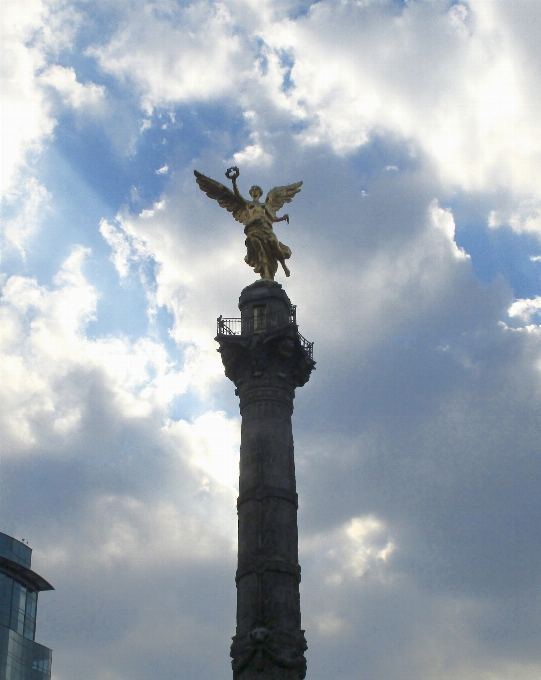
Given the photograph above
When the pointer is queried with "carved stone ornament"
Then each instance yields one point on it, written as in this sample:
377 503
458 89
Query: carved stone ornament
276 354
263 650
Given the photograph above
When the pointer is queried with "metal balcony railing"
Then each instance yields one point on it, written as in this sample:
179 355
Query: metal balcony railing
236 326
308 346
261 322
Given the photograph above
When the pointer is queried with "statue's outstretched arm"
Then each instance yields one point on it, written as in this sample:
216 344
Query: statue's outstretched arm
284 218
278 196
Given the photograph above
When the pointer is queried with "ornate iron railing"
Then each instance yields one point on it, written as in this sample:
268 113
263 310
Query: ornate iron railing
229 326
236 326
308 346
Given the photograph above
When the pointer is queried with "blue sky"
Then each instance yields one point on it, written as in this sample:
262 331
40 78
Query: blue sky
416 269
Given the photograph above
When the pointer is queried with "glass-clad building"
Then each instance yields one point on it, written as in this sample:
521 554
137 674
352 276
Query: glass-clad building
21 658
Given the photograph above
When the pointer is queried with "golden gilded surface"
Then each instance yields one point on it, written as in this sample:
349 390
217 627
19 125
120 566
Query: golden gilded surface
264 250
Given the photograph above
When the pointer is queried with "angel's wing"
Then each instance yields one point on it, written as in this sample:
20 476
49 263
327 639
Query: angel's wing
225 197
280 195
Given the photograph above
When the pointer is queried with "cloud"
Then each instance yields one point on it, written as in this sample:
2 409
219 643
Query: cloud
125 249
352 549
525 309
448 88
30 38
443 219
173 59
523 217
23 213
44 347
78 95
455 82
253 154
215 441
25 118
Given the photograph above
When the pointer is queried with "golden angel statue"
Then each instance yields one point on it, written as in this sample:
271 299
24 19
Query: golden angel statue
264 249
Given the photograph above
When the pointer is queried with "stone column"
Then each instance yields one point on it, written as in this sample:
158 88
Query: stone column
267 361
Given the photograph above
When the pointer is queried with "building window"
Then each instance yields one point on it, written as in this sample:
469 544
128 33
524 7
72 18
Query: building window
41 665
6 596
260 318
30 615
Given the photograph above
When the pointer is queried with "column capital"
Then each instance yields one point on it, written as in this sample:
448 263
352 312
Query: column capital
275 356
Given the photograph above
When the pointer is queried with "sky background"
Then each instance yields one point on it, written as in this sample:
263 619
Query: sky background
416 129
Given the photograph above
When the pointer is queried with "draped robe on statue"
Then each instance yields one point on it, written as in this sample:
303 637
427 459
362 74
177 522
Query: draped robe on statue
264 250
